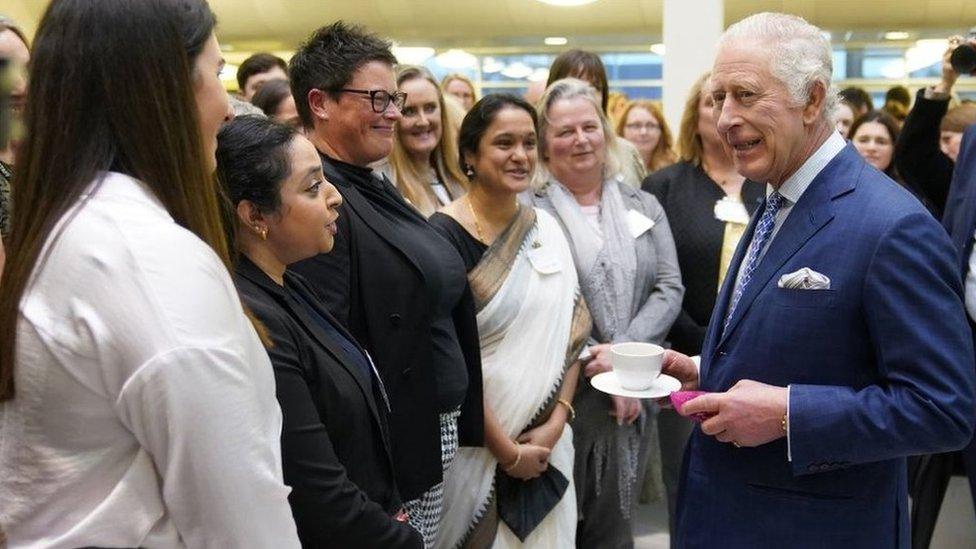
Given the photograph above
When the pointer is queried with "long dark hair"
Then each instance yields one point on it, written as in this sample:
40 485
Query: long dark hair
111 87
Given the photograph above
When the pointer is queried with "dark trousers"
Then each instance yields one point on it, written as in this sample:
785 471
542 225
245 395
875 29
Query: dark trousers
928 478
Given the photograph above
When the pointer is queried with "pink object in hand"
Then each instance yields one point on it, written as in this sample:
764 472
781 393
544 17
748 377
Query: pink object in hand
679 398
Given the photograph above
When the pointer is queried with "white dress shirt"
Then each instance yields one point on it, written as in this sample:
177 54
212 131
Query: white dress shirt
145 411
970 285
792 189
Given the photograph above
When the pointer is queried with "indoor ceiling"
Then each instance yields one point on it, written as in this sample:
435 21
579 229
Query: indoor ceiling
248 25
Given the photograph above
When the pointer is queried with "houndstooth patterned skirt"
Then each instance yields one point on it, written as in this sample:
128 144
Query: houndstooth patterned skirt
425 511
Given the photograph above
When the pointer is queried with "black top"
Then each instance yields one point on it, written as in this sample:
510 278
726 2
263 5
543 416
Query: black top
445 282
688 196
925 169
470 248
400 288
334 446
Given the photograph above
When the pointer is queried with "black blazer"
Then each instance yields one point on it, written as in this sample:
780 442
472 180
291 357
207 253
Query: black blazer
372 285
688 196
334 447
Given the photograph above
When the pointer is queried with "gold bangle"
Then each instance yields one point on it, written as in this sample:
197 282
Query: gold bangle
572 411
518 458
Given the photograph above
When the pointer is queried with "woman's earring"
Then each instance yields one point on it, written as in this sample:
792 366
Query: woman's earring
468 170
263 231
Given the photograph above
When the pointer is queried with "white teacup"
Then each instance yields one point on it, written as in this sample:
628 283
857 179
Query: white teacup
636 365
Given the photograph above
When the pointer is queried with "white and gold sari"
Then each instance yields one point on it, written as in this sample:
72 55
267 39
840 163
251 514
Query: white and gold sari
533 323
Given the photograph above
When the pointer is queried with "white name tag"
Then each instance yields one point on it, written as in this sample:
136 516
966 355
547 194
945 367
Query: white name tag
731 211
638 223
543 259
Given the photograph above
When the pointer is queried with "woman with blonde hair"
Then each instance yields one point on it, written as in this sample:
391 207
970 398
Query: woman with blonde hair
643 124
461 88
424 162
628 274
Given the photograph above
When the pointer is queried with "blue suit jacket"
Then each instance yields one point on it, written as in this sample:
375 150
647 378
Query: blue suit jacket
880 367
960 213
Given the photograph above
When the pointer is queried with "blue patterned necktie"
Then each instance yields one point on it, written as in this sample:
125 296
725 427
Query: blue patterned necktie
764 229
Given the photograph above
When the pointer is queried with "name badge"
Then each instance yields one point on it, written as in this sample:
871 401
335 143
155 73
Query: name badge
638 223
731 211
542 259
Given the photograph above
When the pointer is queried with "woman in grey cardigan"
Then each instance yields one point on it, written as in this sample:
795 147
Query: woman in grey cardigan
628 272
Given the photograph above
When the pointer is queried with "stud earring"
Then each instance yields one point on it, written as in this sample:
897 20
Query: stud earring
468 170
263 231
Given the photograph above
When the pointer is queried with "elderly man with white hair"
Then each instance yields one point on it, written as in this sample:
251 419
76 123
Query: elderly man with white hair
839 343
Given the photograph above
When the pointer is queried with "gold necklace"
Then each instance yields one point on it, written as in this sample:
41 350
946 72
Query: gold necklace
477 225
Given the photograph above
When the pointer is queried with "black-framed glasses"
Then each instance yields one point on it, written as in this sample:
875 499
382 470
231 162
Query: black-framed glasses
381 99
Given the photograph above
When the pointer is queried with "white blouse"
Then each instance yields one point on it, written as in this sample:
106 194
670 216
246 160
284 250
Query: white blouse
145 411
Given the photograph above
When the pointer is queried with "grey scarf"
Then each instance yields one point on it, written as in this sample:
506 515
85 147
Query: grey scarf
607 264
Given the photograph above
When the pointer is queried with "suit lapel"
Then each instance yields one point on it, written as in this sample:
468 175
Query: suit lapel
365 384
808 216
360 206
247 269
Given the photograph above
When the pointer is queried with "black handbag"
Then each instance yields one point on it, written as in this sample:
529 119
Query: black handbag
524 504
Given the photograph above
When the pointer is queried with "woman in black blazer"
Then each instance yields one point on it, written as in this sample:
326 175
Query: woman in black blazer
399 286
335 449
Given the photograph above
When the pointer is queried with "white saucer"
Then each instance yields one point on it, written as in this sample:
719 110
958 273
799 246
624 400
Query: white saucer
663 386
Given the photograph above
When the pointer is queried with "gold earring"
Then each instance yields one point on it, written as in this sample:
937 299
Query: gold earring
263 231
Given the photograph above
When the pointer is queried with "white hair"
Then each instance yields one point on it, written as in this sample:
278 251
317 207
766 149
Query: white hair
800 58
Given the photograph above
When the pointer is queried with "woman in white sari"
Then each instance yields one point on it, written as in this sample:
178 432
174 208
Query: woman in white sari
517 491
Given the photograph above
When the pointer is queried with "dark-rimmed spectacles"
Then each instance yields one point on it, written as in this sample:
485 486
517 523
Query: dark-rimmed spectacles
380 99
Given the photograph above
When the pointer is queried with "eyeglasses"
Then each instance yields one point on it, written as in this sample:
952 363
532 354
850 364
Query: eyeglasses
381 99
637 126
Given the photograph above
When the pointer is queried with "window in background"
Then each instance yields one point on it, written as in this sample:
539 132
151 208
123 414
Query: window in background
639 74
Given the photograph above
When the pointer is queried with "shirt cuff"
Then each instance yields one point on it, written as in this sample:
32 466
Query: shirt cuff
697 360
789 450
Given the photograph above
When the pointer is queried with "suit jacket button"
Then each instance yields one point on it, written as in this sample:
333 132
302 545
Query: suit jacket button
395 319
407 372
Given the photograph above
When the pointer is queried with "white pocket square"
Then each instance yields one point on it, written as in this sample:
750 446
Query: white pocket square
804 279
